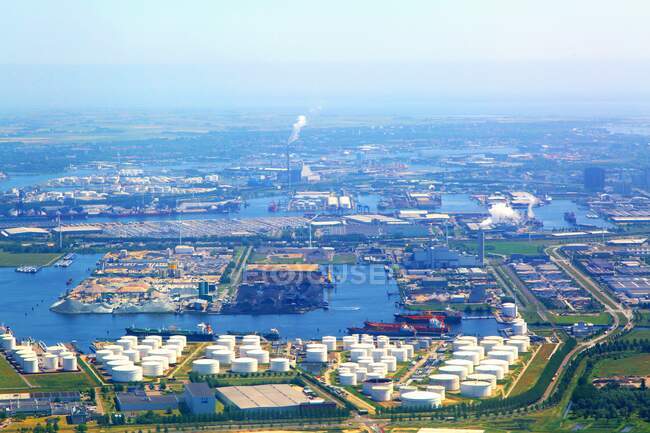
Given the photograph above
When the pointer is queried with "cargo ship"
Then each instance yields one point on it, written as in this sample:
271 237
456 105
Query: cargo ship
272 335
570 217
433 328
426 316
204 333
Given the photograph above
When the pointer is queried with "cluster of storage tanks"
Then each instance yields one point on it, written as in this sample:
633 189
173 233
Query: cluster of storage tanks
51 359
247 357
131 360
475 367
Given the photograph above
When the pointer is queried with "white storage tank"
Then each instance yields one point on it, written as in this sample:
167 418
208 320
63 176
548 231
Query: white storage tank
506 348
251 340
505 365
153 343
362 374
56 350
475 389
166 353
127 373
227 341
117 350
111 358
521 345
400 353
391 363
244 365
176 346
8 342
69 363
111 365
126 344
377 354
421 399
451 382
261 355
205 366
519 327
348 341
473 357
143 350
469 365
152 368
224 356
316 355
365 362
383 342
502 355
133 355
30 365
495 370
458 370
380 368
279 365
181 338
381 393
368 339
163 360
352 366
498 338
487 345
212 347
243 350
477 349
410 350
51 361
470 339
355 354
330 342
483 377
101 354
508 309
438 389
348 379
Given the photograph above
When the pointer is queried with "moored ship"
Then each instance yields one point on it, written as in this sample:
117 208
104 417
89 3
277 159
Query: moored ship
434 327
204 333
426 316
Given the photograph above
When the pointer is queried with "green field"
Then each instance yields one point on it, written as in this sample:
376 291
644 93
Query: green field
637 364
61 381
534 370
569 319
638 334
13 260
8 377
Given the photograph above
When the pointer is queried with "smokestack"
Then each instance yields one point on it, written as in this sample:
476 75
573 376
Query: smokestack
481 247
295 135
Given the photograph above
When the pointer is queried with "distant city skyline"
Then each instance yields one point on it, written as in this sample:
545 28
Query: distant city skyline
580 57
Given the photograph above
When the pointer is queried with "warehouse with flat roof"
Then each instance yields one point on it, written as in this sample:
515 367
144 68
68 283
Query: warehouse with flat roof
259 397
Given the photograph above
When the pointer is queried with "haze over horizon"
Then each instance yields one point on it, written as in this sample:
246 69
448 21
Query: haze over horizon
472 57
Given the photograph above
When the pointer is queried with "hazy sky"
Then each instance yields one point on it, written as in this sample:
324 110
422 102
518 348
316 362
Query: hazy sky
332 53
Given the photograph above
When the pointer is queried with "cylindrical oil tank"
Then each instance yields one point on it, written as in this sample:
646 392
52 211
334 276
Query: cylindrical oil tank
367 339
390 361
471 340
127 373
176 346
410 350
478 349
459 370
474 357
110 358
498 338
161 359
244 365
226 342
365 362
371 383
51 361
383 341
116 349
8 342
348 379
212 347
130 337
475 389
126 344
167 353
223 355
421 399
261 355
438 389
355 354
152 368
495 370
143 350
519 327
484 377
399 353
133 355
111 365
487 345
316 355
101 354
348 341
251 340
330 342
56 350
243 350
352 366
505 365
504 355
379 368
469 365
381 393
280 365
30 365
506 348
180 338
205 366
362 374
508 309
522 345
377 354
153 343
69 363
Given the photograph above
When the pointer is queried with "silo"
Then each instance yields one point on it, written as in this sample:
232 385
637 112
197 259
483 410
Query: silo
483 377
391 363
451 382
69 363
133 355
467 355
30 365
458 370
224 356
495 370
475 389
51 362
502 355
521 345
262 356
421 400
504 364
469 365
244 365
205 366
330 342
152 368
316 355
438 389
280 365
362 374
377 354
127 373
348 379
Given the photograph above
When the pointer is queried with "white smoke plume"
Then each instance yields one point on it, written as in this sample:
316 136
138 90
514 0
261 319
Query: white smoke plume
532 201
295 132
501 213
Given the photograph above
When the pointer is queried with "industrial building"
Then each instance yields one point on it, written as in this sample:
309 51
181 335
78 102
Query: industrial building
141 401
265 397
199 398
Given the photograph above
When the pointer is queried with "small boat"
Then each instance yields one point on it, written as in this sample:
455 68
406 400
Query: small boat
27 269
592 215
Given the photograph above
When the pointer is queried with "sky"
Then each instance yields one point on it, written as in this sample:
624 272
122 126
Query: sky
455 55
